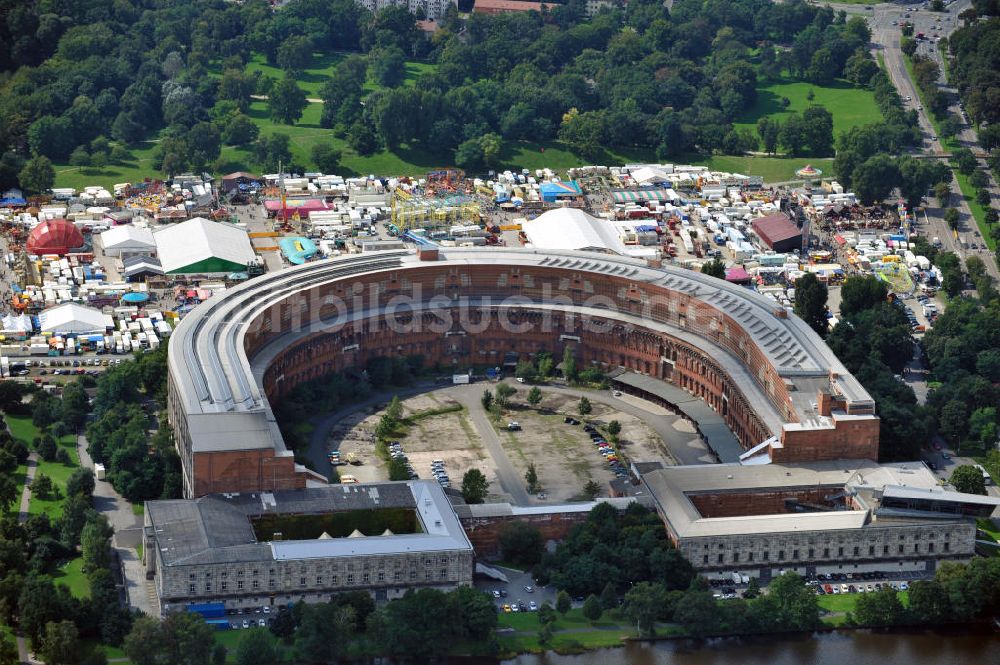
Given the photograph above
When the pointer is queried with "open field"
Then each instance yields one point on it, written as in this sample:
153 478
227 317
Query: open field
22 429
447 436
850 106
136 169
564 456
71 575
845 602
772 169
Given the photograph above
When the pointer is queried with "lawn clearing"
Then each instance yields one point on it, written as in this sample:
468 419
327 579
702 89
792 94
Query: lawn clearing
136 169
24 430
845 602
772 169
71 575
850 106
311 80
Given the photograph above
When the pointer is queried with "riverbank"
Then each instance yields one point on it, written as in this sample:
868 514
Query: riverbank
947 645
572 633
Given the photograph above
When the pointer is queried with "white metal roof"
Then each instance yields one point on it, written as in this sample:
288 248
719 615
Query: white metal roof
128 237
72 318
199 239
572 229
19 324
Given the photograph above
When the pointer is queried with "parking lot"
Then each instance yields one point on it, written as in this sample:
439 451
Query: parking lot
519 594
833 583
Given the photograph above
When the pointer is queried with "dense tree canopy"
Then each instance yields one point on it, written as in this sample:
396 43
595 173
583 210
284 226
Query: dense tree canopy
672 81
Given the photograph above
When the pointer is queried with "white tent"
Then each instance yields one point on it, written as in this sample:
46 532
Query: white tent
202 246
16 325
72 318
648 175
128 240
572 229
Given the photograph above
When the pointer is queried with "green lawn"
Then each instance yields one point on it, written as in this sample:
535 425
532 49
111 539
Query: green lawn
773 169
845 602
568 641
572 620
21 428
113 653
136 169
989 527
312 79
72 576
572 632
24 430
850 106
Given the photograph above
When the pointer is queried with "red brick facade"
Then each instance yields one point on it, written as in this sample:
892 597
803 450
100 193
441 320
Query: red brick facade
475 315
484 532
736 504
245 471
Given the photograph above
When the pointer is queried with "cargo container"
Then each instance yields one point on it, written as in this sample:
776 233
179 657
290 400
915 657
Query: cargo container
208 610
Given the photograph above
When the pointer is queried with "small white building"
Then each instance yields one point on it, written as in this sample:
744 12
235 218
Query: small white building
127 240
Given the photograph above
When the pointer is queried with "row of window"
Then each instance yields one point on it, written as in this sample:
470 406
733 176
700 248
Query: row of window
367 565
811 553
334 580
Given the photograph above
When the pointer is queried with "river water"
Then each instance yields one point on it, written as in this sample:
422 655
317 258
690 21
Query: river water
963 646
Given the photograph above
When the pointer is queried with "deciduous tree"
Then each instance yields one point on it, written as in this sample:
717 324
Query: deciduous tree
475 487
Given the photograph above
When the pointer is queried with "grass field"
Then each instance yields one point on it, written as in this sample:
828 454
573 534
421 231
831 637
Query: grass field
845 602
312 79
22 429
850 106
71 576
134 170
773 169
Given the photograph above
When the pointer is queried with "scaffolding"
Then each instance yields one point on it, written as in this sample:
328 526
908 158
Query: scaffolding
429 211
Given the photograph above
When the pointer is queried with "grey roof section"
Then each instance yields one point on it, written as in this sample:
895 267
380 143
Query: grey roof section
709 423
671 487
481 510
211 373
217 529
939 495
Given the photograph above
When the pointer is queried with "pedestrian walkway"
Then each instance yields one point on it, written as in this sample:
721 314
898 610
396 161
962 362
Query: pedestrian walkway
22 516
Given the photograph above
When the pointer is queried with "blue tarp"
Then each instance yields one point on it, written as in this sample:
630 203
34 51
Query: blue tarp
7 202
135 296
645 227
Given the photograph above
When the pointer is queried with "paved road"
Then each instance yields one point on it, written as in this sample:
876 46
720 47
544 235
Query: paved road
885 38
22 516
510 480
128 534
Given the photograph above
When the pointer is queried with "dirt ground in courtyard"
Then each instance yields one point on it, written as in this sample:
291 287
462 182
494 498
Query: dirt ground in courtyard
450 437
564 456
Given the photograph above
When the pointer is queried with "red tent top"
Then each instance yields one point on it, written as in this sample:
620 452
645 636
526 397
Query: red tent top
54 236
737 274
